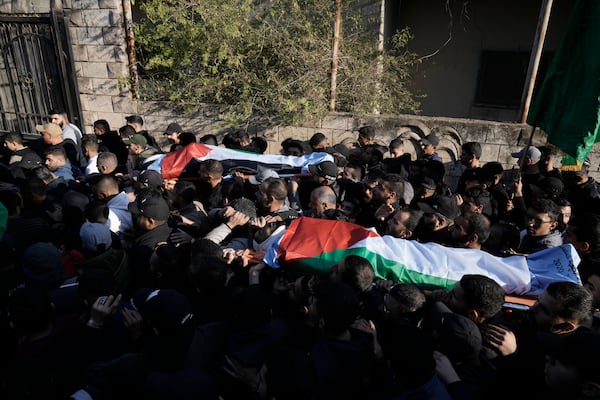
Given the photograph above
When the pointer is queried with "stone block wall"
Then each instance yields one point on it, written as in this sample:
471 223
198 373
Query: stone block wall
97 33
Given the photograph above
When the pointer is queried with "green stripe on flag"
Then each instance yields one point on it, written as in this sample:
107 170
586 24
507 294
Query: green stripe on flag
384 268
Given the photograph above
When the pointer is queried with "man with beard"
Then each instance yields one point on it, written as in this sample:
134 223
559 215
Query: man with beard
388 196
437 217
403 223
69 130
469 230
271 200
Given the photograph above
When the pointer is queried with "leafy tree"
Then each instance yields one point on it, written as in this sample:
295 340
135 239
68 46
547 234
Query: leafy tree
268 60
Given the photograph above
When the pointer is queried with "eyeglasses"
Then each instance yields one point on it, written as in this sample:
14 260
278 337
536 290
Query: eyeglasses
537 221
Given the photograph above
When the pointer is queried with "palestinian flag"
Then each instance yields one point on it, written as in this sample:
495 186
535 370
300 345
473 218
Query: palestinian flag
184 162
312 245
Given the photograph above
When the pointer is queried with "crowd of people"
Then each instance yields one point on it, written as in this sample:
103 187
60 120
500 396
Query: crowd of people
119 284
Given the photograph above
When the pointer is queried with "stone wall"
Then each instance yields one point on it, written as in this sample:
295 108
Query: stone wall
97 33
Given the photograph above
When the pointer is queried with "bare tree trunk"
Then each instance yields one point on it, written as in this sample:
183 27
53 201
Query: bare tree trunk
380 43
534 61
335 53
133 75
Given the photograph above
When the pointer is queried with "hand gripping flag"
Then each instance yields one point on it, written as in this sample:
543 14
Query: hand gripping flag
312 245
184 162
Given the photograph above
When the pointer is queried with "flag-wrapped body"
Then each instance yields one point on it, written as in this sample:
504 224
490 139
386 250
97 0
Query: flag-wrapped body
184 162
312 245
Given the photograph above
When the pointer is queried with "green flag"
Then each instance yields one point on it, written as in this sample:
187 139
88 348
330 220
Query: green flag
567 104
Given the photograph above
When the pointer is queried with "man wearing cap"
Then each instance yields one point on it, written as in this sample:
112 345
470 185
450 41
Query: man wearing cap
96 240
172 133
137 123
438 216
151 213
426 191
529 163
52 136
429 145
262 175
139 152
325 173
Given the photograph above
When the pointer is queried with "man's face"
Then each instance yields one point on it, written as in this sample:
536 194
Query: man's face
173 137
143 222
348 208
539 224
10 145
53 162
565 212
428 149
459 231
58 120
466 159
134 148
170 184
364 141
321 146
469 206
433 222
294 151
47 137
211 178
396 225
98 131
261 197
348 173
316 206
382 193
396 152
457 300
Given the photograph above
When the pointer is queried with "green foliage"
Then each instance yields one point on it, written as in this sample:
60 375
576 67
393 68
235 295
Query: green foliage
268 60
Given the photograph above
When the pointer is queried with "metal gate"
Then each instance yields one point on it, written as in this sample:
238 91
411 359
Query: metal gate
36 72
